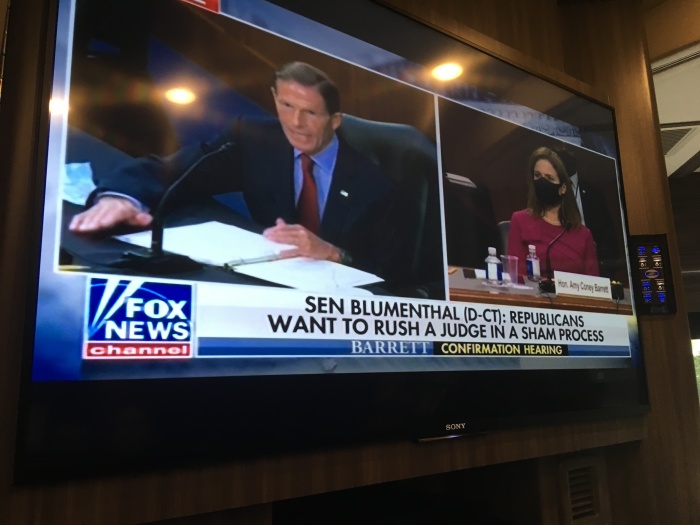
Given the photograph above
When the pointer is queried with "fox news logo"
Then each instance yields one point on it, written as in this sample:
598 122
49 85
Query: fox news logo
133 319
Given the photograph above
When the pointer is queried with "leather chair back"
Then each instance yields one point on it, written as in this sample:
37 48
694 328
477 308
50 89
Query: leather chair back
409 159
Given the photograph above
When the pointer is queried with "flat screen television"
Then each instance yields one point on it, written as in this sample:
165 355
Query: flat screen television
199 290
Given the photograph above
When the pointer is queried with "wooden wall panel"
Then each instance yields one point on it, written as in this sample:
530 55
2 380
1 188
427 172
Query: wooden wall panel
3 17
531 27
671 26
137 499
527 33
257 515
600 43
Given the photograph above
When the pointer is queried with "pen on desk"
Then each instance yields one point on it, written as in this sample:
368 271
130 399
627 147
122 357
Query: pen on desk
264 258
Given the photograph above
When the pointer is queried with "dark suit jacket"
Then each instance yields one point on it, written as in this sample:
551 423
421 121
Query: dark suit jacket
259 163
599 221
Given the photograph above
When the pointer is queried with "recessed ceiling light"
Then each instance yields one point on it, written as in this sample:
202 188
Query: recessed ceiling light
180 96
58 106
447 71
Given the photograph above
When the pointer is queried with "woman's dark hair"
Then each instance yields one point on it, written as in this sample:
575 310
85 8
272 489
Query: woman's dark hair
569 215
309 76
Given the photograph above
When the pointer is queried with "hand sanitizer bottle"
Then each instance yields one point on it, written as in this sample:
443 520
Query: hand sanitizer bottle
494 270
533 264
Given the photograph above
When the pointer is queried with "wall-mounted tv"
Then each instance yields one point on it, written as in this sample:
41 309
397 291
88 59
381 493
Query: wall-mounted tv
267 226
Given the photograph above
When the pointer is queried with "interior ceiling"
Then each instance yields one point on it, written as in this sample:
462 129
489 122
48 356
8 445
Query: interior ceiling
676 79
677 83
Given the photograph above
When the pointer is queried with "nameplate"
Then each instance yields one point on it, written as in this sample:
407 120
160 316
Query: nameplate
582 285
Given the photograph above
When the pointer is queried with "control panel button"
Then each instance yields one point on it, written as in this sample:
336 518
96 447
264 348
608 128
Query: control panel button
652 275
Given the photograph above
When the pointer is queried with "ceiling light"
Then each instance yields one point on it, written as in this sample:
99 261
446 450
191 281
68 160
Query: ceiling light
180 96
447 71
57 106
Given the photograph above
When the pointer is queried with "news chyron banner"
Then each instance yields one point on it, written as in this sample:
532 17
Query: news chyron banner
136 319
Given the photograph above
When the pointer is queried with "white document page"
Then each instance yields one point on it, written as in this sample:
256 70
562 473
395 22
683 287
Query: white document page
309 274
213 243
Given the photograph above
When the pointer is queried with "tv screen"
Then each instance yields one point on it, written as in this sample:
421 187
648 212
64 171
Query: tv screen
268 225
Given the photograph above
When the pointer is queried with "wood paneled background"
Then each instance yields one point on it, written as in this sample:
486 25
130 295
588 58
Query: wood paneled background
595 47
672 25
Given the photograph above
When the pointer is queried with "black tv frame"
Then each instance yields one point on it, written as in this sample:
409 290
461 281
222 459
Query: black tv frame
73 429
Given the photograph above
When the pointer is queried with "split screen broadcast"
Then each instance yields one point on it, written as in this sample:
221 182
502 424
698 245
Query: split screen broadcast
224 198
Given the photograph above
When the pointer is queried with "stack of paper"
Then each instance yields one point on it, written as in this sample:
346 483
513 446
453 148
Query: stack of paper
214 243
252 254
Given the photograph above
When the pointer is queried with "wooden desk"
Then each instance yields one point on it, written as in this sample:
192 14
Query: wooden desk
474 291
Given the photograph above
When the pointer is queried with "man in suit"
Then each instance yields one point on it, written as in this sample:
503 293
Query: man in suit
299 180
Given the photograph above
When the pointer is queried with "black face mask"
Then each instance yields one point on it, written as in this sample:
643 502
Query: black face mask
547 192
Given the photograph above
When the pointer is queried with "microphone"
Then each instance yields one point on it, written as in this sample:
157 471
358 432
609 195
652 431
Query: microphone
156 260
547 285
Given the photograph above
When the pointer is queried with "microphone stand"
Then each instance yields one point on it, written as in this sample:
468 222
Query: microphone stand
156 260
547 285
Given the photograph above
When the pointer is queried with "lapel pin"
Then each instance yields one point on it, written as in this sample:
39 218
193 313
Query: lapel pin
344 193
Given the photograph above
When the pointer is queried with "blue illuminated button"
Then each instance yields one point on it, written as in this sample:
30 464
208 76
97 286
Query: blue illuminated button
646 286
647 297
655 250
662 297
641 250
651 274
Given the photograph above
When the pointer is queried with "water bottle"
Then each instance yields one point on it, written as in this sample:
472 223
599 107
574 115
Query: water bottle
533 264
494 270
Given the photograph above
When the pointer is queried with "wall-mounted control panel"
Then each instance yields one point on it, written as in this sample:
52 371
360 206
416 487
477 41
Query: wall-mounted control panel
651 275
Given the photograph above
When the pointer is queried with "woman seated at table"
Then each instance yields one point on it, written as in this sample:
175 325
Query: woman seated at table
551 221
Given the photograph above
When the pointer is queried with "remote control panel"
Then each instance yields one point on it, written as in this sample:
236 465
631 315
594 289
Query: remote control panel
651 275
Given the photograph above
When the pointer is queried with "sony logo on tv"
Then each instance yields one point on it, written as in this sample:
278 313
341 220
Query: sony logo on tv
455 426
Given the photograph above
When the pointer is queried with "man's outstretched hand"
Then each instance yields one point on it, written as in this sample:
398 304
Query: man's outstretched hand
307 244
107 213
